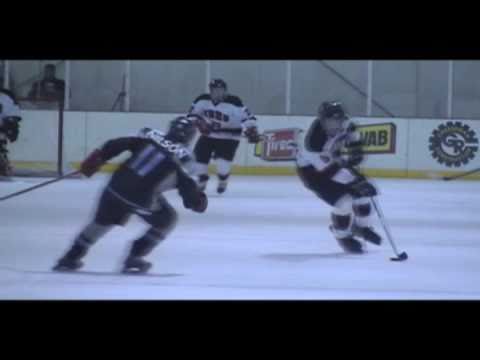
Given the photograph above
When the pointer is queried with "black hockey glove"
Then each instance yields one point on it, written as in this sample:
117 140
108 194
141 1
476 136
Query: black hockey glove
11 127
192 197
201 203
92 163
203 125
355 153
251 133
196 201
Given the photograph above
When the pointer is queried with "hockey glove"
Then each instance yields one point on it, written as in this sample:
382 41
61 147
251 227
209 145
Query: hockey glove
92 163
11 127
203 125
355 153
193 198
197 202
201 204
251 133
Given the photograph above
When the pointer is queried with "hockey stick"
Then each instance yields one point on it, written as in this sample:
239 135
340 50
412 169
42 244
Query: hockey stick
448 178
40 185
400 256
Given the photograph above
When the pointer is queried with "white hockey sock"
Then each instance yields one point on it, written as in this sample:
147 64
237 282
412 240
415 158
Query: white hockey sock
363 211
224 167
201 171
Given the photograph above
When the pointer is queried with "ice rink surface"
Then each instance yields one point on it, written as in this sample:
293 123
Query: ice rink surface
265 238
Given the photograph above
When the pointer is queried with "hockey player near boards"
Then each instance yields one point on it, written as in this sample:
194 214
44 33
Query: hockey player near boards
136 187
325 169
222 121
9 128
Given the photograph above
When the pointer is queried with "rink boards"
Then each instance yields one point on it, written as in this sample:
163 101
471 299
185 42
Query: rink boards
396 147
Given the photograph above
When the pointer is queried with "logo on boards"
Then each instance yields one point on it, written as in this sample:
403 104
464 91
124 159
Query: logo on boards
453 144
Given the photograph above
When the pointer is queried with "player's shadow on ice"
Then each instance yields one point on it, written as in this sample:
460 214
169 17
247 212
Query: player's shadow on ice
89 273
113 273
307 257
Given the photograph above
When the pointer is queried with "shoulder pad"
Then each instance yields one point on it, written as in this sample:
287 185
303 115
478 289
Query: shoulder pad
202 97
234 100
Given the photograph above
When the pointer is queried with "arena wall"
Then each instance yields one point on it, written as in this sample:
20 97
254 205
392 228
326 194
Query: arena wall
397 147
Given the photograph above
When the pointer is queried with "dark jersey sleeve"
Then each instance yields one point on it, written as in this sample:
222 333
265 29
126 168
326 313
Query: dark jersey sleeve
316 137
115 147
234 100
188 189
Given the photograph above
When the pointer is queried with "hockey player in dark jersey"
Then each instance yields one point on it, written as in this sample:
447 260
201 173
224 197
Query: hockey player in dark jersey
326 170
136 187
222 121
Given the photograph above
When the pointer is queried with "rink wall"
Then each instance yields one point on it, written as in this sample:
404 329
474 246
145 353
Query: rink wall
397 147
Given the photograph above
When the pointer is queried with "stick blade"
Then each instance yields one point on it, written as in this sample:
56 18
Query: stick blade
401 257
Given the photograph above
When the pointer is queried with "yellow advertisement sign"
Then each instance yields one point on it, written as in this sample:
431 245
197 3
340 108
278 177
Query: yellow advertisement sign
378 138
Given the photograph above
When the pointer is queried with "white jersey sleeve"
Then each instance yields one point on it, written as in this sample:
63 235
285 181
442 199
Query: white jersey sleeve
323 151
249 120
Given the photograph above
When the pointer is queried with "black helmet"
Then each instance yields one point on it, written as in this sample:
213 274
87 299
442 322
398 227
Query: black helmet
332 110
217 83
181 130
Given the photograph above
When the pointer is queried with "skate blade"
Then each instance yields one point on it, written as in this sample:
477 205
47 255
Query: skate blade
136 271
64 269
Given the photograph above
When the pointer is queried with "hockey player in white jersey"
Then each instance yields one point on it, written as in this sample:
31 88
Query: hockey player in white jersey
9 128
326 170
223 120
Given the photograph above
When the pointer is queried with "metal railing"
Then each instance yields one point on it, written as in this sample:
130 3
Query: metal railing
124 93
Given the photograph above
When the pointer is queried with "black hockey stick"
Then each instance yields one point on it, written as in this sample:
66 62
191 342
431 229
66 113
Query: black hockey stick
40 185
448 178
400 256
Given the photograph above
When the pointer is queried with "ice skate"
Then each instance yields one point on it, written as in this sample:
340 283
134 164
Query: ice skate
351 245
222 186
71 260
368 234
136 265
66 265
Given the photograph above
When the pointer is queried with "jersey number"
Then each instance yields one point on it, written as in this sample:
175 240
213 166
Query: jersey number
216 115
146 161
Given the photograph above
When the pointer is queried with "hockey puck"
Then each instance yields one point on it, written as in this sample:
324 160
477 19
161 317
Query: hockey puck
402 257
